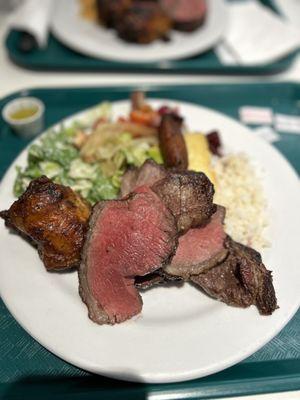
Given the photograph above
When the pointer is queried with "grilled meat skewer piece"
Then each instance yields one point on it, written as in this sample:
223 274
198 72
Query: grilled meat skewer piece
171 142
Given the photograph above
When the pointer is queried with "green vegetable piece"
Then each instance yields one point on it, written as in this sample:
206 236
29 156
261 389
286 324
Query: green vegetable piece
102 189
50 169
35 153
18 188
155 154
82 186
125 138
82 170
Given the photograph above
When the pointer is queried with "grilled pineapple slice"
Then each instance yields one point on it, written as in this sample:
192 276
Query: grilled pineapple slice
199 156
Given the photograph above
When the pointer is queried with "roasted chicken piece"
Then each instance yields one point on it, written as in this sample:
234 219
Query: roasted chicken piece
144 22
111 11
55 218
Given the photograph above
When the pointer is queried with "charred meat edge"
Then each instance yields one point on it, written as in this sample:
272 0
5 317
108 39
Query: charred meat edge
95 312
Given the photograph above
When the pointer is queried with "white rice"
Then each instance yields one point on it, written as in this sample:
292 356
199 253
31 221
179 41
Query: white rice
239 190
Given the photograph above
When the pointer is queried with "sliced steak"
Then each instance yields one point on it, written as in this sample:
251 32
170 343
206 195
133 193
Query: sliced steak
256 278
147 174
127 238
200 249
240 280
186 15
189 196
149 280
172 143
128 183
158 277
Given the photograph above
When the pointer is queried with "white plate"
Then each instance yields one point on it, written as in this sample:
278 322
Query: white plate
93 40
181 334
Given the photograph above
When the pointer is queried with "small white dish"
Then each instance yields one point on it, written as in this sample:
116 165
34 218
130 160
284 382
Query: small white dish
27 126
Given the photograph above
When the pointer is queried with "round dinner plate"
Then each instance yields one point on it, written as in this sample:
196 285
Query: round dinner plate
181 333
91 39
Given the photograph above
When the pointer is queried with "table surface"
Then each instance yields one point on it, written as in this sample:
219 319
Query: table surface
14 78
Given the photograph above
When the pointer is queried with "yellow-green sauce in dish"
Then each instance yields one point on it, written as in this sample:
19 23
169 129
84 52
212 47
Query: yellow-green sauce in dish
24 113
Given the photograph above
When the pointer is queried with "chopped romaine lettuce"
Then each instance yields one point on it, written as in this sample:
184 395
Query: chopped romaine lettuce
102 110
155 154
104 190
56 156
50 169
82 170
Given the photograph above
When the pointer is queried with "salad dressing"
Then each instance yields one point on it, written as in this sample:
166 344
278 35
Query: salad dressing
24 113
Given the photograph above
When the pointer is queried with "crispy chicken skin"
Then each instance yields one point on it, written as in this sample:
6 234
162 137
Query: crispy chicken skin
144 22
111 11
55 218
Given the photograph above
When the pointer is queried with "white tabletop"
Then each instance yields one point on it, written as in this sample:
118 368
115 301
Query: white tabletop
14 78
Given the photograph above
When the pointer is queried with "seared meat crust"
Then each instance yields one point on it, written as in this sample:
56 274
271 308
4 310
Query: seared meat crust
55 218
172 143
189 196
240 280
143 23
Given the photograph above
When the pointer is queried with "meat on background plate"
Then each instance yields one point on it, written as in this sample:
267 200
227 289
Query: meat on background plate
144 22
186 15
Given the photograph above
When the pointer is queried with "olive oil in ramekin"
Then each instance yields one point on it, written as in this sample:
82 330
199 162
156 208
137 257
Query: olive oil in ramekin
24 113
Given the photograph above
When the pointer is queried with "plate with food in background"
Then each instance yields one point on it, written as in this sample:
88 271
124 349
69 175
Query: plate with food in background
164 227
139 31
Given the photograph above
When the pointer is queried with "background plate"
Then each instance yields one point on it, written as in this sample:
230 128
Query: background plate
93 40
143 349
56 56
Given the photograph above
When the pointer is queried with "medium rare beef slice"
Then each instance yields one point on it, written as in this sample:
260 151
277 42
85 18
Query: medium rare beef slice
200 249
189 196
241 280
127 238
147 174
128 181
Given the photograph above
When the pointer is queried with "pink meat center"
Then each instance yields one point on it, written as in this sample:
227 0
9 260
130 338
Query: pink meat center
131 238
199 245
